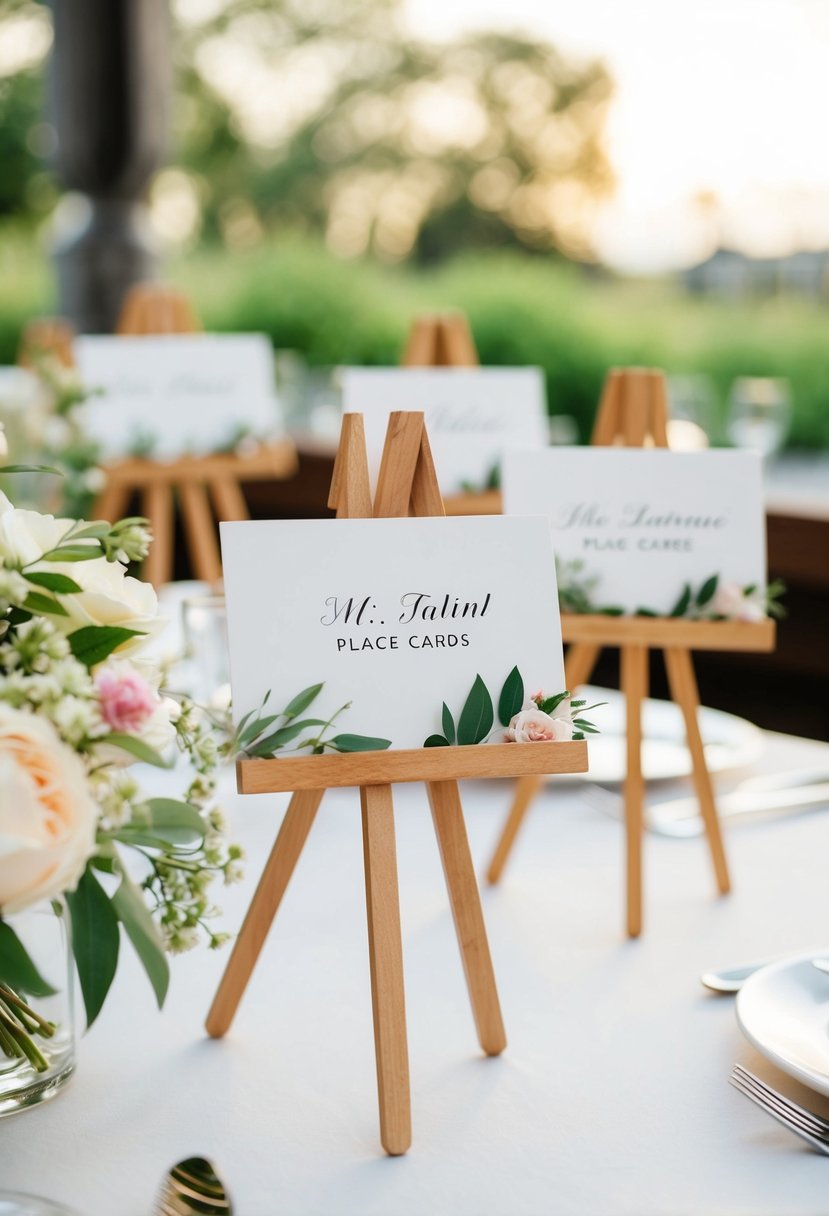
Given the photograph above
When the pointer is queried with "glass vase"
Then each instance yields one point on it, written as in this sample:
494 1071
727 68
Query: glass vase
26 1081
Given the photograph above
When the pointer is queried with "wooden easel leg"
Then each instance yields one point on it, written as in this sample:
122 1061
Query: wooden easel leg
386 959
447 816
683 684
276 875
635 689
157 505
525 794
201 532
112 502
579 664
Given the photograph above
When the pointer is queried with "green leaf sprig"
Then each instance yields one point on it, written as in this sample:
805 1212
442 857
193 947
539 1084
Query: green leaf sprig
255 738
477 716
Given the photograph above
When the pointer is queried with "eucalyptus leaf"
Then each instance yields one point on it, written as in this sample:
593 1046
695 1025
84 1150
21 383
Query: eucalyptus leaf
448 723
302 700
252 729
95 942
358 743
61 584
142 931
477 714
16 968
265 747
511 699
94 643
436 741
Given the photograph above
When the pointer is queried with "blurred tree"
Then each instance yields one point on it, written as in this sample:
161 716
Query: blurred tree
326 115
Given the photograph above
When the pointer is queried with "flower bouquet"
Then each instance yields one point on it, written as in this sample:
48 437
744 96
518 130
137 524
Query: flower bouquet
79 705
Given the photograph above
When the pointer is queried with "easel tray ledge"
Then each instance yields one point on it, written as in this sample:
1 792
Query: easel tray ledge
419 764
661 632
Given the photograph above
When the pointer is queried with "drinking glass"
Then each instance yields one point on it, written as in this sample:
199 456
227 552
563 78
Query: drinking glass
204 622
759 411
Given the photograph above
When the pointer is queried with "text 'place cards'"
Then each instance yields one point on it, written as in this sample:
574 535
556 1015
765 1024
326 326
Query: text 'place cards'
177 394
472 415
393 617
649 530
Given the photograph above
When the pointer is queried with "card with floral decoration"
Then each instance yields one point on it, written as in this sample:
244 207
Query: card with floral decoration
369 634
177 395
472 415
650 532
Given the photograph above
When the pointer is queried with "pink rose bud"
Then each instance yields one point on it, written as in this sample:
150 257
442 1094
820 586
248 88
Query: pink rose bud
126 699
538 697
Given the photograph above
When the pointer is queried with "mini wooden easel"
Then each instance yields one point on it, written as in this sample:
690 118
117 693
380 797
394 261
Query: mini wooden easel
152 308
445 340
46 336
156 308
440 340
633 413
406 485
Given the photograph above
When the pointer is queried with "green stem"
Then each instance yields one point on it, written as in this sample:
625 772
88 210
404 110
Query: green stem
23 1040
315 743
24 1012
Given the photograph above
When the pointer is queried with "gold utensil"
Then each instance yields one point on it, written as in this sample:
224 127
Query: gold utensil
193 1187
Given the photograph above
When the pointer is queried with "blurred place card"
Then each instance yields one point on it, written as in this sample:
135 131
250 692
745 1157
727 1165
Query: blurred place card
632 528
177 395
393 616
472 415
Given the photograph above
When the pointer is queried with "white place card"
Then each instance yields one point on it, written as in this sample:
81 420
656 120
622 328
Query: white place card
178 394
472 414
394 616
635 526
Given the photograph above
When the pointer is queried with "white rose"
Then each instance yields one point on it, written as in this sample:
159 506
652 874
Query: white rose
533 726
108 596
732 602
47 814
27 535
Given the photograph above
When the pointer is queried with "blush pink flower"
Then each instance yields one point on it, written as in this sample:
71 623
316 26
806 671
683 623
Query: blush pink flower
533 726
127 700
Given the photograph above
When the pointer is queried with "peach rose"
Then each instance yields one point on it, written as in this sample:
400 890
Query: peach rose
533 726
47 814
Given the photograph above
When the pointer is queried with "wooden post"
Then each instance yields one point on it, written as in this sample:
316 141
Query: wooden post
633 412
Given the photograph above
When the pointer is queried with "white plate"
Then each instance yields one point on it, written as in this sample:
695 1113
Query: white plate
784 1011
730 742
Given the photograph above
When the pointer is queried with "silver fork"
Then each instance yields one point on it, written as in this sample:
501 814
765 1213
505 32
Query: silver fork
812 1128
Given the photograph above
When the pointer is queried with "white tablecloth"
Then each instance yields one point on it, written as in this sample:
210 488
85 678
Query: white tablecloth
612 1096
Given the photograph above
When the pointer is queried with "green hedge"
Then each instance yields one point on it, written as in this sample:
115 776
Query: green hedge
523 309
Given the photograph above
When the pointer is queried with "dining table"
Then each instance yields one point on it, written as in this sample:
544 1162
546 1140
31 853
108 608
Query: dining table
611 1098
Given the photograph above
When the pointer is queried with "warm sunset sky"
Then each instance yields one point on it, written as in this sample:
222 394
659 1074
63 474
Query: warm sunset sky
723 96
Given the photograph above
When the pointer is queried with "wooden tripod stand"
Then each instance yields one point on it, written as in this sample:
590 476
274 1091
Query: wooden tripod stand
195 482
407 484
633 412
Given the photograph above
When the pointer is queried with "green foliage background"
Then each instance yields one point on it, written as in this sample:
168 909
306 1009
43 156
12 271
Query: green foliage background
523 309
